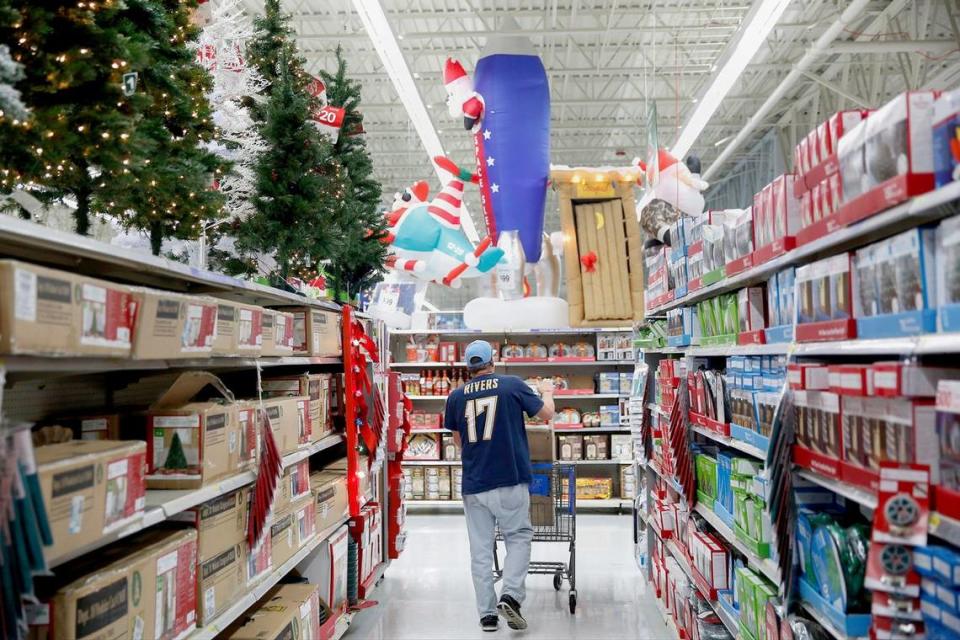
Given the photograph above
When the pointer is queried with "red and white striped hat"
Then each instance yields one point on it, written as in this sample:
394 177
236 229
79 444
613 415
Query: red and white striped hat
452 71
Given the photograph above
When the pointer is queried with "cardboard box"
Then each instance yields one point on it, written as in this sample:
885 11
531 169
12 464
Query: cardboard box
336 593
449 448
89 488
570 447
288 612
290 421
278 333
221 526
541 446
239 329
49 312
329 490
190 442
295 484
291 529
91 427
317 332
173 325
142 586
596 447
423 446
315 386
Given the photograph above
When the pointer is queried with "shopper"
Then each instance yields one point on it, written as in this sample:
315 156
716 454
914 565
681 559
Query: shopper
486 415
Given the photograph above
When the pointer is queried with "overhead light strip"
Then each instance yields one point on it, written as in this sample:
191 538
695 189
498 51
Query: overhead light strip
381 36
752 35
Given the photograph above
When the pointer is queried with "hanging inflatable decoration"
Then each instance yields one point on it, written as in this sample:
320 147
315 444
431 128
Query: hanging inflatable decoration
426 240
507 109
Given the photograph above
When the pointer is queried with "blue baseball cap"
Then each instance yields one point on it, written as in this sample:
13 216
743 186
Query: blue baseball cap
478 354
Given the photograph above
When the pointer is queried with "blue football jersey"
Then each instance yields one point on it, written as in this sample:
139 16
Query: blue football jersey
487 412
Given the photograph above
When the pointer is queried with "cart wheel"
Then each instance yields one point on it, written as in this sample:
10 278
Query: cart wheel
573 602
557 580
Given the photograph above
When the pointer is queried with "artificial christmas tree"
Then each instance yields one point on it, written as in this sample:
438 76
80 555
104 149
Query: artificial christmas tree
170 192
220 49
357 258
78 135
275 41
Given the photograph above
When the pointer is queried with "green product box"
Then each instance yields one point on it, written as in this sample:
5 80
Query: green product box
707 476
761 594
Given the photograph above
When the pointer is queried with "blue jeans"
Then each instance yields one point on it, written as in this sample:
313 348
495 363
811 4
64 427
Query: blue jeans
510 508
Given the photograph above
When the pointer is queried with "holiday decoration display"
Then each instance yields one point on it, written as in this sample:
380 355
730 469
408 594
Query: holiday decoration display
220 50
68 148
508 114
601 242
677 190
10 104
355 261
427 242
299 187
170 194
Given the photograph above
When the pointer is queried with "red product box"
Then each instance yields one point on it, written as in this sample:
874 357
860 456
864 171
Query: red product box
804 151
850 379
900 379
842 122
825 140
447 352
813 148
816 203
809 376
806 209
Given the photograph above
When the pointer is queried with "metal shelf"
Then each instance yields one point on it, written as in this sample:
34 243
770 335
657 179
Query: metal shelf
431 463
673 484
731 624
777 348
162 504
733 443
928 207
595 462
765 566
81 364
565 331
240 607
848 491
825 622
41 244
611 503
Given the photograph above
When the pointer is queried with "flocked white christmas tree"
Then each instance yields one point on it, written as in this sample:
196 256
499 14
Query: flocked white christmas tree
10 72
220 49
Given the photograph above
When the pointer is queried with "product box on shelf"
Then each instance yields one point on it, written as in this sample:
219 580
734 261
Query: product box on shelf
239 329
89 488
824 304
424 420
570 447
316 387
193 442
948 268
947 494
895 284
751 315
278 333
294 485
289 419
221 526
287 611
49 312
946 142
621 447
104 426
292 528
143 584
810 376
316 332
738 240
905 379
329 490
596 447
423 446
172 325
897 143
448 447
818 431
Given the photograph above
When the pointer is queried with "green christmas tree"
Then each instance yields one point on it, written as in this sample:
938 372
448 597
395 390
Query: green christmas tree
296 187
356 259
169 193
78 136
176 458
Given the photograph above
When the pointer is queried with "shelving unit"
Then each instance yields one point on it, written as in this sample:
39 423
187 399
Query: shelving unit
763 565
28 377
733 443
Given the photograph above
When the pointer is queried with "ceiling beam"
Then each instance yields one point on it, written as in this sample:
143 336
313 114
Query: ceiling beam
930 47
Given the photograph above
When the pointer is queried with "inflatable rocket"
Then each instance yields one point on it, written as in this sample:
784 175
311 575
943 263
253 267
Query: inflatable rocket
426 240
507 109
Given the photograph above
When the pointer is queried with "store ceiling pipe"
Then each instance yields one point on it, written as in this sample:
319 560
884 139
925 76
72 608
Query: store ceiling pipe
851 13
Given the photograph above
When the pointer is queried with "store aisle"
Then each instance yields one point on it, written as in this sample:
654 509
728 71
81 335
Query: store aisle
428 593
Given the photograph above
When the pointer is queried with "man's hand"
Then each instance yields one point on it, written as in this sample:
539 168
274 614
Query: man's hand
545 385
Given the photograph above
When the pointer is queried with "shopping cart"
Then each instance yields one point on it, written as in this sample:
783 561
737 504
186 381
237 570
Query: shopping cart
553 514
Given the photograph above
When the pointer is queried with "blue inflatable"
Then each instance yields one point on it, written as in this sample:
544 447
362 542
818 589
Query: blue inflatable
508 110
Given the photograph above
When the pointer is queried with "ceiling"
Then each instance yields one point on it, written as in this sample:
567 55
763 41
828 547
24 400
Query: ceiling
608 60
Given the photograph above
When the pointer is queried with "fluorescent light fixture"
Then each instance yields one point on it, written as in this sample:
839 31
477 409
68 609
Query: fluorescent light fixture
381 36
722 140
753 34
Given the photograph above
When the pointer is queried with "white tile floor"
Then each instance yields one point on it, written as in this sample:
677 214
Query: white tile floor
428 593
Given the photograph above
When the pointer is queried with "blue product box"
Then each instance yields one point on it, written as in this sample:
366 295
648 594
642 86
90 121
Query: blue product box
949 598
749 364
735 363
948 266
609 415
853 624
895 281
724 492
749 436
783 333
946 137
786 284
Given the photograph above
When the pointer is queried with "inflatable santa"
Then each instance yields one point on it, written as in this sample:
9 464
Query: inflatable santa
677 190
